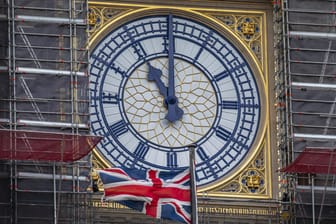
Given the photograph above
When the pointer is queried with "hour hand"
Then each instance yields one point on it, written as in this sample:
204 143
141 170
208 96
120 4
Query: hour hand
174 112
154 74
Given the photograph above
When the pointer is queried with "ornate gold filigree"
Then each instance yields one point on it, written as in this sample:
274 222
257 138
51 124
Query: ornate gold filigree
99 16
251 180
233 186
247 28
92 17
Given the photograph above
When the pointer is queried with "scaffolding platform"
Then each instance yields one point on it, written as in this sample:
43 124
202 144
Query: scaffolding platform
314 161
42 146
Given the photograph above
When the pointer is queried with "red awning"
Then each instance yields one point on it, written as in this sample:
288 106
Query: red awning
45 146
315 161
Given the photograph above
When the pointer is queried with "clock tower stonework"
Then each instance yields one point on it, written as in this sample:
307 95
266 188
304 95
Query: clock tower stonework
218 55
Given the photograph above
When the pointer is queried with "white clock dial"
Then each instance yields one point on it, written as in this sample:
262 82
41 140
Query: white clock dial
145 109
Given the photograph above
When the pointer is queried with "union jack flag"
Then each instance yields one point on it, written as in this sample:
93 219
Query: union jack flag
156 193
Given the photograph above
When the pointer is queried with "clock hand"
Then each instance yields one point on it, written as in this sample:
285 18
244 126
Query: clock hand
174 112
154 74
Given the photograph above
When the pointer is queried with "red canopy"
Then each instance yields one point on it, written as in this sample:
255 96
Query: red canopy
45 146
312 160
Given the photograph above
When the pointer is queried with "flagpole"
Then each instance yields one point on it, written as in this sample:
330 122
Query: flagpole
193 193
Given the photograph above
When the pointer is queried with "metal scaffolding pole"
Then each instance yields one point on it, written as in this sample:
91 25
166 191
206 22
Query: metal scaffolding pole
314 136
55 194
27 70
313 198
314 85
48 75
50 124
307 34
44 19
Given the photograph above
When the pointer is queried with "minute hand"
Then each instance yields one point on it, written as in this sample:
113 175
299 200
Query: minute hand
174 112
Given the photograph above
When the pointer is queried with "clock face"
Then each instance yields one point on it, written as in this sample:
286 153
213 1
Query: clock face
160 83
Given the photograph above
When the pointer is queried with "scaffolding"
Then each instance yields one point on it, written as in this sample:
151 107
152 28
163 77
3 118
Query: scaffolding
45 163
281 101
309 85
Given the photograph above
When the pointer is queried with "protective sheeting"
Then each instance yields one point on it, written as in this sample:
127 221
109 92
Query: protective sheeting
43 64
314 161
40 146
311 54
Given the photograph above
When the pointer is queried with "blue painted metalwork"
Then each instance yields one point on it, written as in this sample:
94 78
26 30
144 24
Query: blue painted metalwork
175 113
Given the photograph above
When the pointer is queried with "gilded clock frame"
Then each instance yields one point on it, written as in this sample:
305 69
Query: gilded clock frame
247 29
